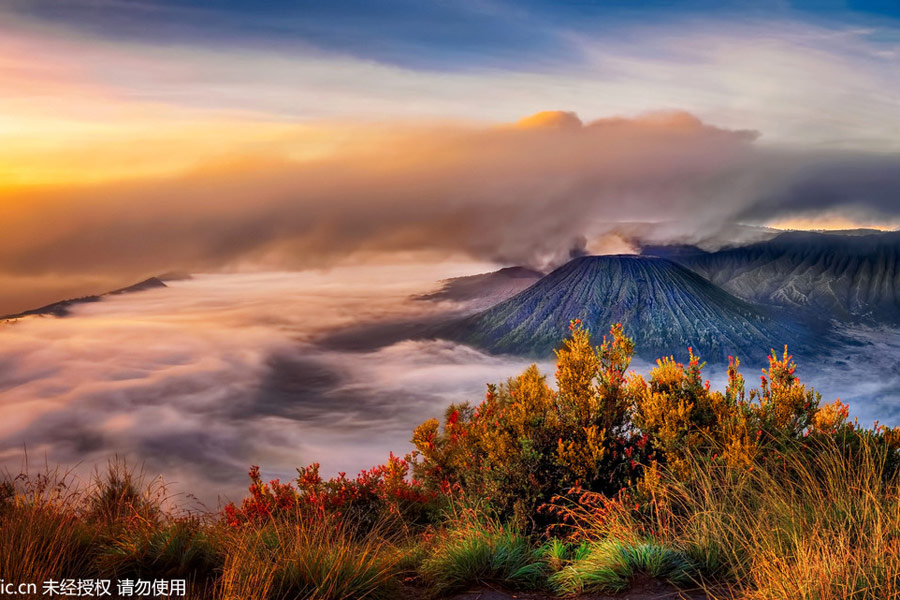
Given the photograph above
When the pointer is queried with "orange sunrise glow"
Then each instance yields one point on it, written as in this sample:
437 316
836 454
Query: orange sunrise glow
407 300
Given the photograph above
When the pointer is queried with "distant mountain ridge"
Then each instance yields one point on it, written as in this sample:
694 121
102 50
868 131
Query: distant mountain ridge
485 289
663 305
63 307
851 276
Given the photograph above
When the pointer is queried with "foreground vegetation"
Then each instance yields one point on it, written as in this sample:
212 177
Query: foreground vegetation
609 476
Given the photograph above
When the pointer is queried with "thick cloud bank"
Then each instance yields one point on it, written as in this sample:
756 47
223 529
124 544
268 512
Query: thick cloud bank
203 378
523 194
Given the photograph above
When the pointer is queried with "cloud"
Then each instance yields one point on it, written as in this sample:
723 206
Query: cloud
124 158
200 380
550 118
82 107
824 85
513 195
494 193
204 378
857 186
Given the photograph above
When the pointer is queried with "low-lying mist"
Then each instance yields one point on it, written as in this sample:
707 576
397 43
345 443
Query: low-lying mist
199 380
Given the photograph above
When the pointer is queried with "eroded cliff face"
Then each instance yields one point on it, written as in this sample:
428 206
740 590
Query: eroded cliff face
836 277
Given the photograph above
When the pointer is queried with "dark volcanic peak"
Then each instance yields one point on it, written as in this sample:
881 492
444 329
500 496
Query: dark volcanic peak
62 308
664 306
845 277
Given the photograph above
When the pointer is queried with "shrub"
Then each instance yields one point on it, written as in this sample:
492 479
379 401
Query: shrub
605 431
375 494
527 442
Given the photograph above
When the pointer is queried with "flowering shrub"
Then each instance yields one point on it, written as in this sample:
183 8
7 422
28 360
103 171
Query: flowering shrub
786 407
607 431
676 410
371 495
602 430
527 442
684 418
830 417
266 500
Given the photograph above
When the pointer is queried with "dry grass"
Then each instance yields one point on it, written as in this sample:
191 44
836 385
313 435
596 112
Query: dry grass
813 525
819 523
304 558
42 536
816 523
119 525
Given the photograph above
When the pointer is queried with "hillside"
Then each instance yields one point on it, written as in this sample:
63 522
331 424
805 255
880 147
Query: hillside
485 289
843 277
669 306
63 307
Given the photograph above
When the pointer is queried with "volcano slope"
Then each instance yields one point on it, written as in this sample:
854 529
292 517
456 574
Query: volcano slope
664 306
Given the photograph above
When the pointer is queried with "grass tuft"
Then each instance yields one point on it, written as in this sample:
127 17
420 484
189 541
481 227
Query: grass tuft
313 559
483 554
610 566
180 549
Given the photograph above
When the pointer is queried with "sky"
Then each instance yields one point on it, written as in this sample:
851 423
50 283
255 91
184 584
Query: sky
319 162
141 136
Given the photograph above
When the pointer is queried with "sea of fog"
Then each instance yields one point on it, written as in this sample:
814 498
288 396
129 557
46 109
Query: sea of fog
199 380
